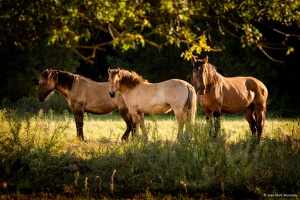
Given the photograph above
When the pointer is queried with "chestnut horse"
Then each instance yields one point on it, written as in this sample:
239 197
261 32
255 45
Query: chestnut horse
218 94
83 95
153 98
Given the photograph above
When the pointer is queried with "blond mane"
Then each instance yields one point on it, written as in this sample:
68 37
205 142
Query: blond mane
130 79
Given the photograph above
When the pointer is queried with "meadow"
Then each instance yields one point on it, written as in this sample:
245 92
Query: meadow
41 157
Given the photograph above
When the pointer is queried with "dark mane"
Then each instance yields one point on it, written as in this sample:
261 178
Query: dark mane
45 75
62 78
212 77
130 79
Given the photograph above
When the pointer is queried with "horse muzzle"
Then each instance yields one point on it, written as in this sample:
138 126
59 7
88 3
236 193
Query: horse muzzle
41 98
112 94
201 90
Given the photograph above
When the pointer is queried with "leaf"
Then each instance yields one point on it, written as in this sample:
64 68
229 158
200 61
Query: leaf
290 50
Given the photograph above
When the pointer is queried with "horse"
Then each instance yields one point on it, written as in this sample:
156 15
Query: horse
83 95
142 97
218 94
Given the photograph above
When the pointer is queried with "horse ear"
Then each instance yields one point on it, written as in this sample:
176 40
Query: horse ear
108 70
205 60
118 70
194 59
49 73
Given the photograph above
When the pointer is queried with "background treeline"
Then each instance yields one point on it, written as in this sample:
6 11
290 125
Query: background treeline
246 38
21 67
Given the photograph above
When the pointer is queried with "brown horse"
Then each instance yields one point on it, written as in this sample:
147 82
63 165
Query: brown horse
83 95
153 98
218 94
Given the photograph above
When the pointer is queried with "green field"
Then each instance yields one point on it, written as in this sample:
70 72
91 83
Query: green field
41 157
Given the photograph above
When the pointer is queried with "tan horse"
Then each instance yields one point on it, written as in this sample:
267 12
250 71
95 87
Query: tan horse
83 95
218 94
154 98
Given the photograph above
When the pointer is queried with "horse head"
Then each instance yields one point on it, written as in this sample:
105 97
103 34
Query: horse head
46 85
114 76
199 74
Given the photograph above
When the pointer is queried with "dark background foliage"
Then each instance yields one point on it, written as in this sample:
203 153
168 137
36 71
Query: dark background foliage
246 38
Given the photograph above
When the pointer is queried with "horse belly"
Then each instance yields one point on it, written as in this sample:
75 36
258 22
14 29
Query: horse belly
91 97
155 108
100 105
99 108
161 108
236 103
231 109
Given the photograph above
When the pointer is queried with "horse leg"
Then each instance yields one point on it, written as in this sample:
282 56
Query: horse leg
249 114
78 115
129 124
143 127
136 123
210 121
260 120
180 120
142 122
217 123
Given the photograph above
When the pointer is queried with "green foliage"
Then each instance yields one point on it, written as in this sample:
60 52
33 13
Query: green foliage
196 48
134 23
231 165
39 35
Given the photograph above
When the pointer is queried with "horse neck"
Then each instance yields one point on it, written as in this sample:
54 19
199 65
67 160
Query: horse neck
64 82
123 89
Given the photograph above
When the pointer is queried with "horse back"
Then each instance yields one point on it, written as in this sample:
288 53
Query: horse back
173 90
241 84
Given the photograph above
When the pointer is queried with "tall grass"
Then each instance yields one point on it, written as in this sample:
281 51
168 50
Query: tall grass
41 153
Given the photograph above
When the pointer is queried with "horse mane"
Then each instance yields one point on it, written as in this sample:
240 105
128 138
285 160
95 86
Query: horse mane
63 79
130 79
212 75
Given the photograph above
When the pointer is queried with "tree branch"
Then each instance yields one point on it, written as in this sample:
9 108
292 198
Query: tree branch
81 56
268 56
93 55
285 34
159 46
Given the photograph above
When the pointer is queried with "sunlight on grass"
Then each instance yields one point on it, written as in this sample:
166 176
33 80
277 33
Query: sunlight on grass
42 151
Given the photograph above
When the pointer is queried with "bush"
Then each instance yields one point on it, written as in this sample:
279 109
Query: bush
56 102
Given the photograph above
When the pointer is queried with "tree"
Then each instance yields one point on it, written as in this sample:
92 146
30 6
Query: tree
131 24
21 68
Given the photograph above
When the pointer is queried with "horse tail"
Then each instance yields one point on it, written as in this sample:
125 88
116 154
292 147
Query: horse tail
191 103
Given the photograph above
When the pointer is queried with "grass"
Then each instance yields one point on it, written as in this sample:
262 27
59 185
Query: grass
41 154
